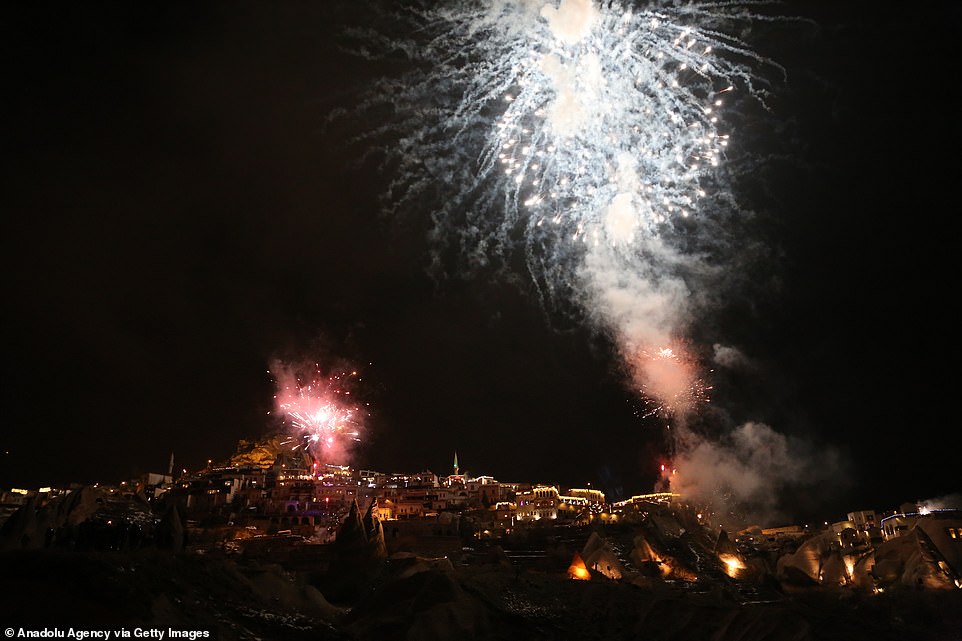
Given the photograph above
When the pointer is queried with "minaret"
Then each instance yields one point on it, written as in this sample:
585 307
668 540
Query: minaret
455 463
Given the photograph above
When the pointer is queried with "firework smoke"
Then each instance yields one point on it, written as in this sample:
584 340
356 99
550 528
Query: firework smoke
586 134
948 502
731 358
739 477
590 136
319 412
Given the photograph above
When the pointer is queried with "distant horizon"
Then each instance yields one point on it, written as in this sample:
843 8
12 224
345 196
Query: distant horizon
818 518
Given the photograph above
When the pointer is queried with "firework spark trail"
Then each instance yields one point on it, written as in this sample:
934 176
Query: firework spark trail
585 133
319 411
590 136
606 122
670 378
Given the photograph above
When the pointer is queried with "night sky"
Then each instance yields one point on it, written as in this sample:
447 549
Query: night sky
177 216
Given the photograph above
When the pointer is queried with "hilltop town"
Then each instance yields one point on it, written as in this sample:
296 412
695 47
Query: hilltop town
331 548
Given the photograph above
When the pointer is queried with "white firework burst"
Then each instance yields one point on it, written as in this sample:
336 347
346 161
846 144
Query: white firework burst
589 138
568 122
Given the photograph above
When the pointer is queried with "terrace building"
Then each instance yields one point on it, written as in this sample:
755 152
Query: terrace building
540 502
898 524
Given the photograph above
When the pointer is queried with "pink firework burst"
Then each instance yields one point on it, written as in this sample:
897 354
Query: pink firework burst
319 411
668 377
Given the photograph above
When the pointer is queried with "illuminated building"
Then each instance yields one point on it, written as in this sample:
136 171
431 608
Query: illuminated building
505 514
334 473
580 503
943 531
644 502
510 490
540 502
867 523
898 524
864 519
409 509
923 549
483 490
386 509
455 478
594 497
426 478
421 479
335 495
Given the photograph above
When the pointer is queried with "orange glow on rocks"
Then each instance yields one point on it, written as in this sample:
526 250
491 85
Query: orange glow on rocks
733 565
578 570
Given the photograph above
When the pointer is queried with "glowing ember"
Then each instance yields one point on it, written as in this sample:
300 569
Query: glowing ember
733 565
849 568
578 570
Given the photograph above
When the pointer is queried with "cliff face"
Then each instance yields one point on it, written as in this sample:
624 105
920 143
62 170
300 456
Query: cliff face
480 596
268 452
923 557
86 518
419 599
912 560
437 603
71 589
260 454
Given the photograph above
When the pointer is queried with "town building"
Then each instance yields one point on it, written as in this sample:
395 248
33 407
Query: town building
898 524
540 502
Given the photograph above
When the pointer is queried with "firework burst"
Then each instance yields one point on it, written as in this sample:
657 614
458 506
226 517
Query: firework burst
668 379
319 412
591 138
577 122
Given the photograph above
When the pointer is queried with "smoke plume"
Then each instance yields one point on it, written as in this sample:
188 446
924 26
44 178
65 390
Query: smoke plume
742 475
589 139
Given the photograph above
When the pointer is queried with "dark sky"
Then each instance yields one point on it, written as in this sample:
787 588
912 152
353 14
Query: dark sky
177 216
